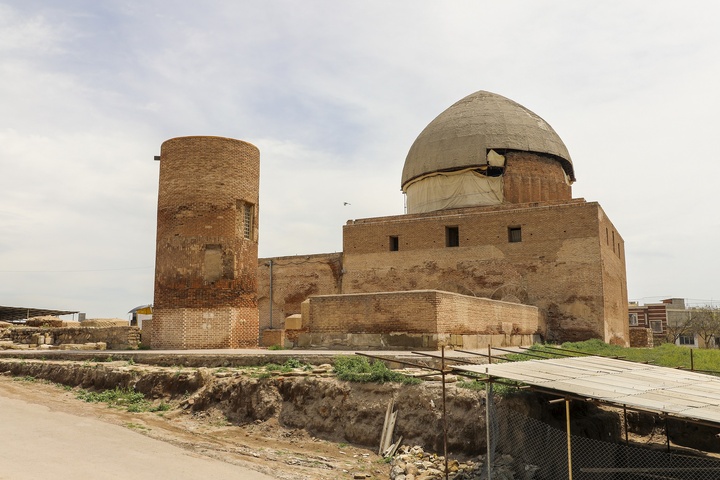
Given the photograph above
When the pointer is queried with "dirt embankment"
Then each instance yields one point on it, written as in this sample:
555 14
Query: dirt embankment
319 404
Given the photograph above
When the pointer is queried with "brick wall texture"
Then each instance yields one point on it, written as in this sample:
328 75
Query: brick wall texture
531 177
117 338
206 257
570 263
424 311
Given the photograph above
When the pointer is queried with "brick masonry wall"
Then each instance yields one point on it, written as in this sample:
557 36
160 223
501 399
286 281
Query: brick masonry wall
612 252
117 338
295 278
531 177
418 312
641 337
206 268
559 266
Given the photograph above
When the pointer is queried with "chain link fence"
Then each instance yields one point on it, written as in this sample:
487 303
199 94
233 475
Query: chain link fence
538 451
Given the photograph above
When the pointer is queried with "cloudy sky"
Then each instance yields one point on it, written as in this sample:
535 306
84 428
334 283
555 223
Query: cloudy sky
333 94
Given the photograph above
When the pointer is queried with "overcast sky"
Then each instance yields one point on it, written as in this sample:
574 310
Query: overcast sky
333 94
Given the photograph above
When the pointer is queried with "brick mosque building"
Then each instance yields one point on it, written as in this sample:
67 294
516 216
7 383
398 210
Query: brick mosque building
493 249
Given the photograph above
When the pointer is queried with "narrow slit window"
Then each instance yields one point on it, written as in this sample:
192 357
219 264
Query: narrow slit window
394 243
246 216
452 236
247 220
514 234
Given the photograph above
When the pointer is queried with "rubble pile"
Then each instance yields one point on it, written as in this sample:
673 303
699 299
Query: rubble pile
413 463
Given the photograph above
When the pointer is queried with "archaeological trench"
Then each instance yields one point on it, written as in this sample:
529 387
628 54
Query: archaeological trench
313 399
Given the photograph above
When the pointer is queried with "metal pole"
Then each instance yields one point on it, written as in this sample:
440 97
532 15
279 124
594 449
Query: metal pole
488 400
489 354
569 439
626 428
445 453
271 292
667 434
692 362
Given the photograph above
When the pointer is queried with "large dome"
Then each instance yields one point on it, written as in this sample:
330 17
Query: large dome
462 136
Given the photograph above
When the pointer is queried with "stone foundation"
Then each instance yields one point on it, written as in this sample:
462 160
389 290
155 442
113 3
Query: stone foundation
116 338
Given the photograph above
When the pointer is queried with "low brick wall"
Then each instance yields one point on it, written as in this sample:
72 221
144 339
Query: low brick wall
641 337
417 341
273 336
117 338
416 319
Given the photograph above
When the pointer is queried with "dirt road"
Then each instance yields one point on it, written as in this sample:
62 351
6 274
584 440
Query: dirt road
41 443
48 433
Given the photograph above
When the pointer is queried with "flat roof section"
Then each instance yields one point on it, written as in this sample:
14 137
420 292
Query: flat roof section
680 393
8 314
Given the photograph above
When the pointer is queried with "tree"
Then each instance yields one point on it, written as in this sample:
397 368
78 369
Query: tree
679 323
705 322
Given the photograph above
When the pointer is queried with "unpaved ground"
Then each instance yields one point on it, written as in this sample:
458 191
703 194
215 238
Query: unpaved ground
261 446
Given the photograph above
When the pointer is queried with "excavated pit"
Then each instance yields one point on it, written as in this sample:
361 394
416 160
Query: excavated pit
320 404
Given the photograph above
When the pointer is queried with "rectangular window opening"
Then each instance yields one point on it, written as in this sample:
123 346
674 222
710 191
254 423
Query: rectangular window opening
514 234
686 340
452 236
633 319
656 326
394 243
247 224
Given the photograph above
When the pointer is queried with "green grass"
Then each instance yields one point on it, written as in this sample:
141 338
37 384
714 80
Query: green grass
123 398
289 365
665 355
359 369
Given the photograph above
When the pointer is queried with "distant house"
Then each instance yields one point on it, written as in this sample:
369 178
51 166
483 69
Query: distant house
669 321
140 314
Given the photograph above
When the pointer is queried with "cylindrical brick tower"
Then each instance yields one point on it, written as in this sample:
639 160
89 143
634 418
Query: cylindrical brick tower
207 245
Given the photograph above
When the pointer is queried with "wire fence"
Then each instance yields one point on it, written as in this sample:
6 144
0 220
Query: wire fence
538 451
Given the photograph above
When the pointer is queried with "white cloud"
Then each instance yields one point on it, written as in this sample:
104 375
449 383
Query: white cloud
334 94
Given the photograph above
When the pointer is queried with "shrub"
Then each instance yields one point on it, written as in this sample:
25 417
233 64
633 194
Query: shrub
359 369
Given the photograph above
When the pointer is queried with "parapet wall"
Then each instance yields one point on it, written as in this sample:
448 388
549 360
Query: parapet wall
416 319
116 338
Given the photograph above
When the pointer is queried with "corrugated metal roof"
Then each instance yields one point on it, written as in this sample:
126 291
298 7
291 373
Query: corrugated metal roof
680 393
19 313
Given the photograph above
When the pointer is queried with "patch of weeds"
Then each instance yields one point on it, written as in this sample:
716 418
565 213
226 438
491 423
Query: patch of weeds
26 378
343 445
276 347
136 426
131 361
471 385
293 363
143 346
125 398
359 369
161 407
502 389
273 367
109 358
289 365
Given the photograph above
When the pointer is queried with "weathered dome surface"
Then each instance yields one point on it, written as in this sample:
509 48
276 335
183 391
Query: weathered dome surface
461 136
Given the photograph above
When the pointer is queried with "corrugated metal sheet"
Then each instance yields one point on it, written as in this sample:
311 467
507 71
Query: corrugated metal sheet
20 313
644 387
